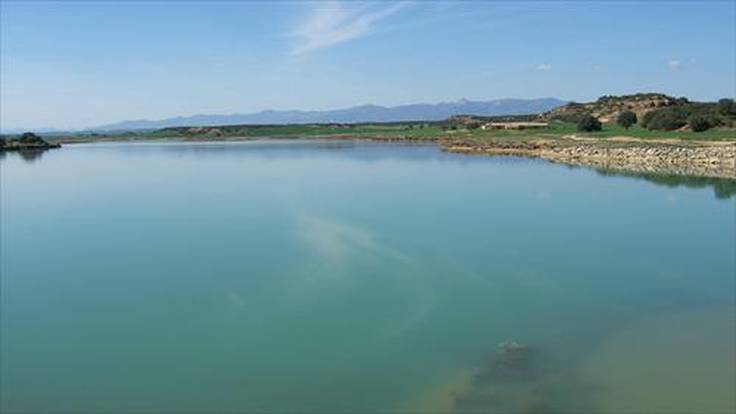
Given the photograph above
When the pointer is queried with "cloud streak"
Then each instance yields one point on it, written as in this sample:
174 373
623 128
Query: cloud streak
338 242
335 23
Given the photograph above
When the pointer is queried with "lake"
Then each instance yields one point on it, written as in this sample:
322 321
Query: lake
340 276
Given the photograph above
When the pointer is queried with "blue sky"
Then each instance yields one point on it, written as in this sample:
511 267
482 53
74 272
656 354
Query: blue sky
78 64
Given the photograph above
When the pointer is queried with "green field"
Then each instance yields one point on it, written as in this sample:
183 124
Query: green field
418 130
558 129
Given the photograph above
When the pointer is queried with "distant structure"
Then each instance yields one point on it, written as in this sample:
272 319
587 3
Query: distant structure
514 125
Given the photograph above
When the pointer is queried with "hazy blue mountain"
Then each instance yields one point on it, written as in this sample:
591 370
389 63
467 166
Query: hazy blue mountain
363 113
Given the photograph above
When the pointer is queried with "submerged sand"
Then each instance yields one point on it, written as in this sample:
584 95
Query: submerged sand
683 362
680 362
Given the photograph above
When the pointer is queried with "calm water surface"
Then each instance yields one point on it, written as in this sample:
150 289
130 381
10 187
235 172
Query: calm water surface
314 276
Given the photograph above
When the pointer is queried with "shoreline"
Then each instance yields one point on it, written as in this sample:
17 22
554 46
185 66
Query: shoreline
712 159
15 147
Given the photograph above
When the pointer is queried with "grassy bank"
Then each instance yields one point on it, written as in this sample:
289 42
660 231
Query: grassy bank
558 130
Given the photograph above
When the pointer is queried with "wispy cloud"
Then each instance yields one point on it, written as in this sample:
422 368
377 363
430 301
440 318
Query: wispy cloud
673 64
337 242
336 22
544 66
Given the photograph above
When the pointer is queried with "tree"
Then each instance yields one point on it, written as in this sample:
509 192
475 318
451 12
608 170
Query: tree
589 123
30 137
626 119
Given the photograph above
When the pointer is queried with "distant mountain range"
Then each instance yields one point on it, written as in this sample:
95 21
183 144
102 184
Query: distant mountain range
363 113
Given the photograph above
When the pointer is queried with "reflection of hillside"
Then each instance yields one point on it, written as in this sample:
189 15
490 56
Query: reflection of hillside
364 151
723 188
27 155
31 155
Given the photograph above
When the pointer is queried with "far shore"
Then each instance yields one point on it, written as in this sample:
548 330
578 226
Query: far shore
701 158
642 132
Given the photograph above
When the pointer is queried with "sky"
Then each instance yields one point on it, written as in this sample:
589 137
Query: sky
72 65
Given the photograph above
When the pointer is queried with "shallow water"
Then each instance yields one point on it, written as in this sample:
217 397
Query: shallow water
278 276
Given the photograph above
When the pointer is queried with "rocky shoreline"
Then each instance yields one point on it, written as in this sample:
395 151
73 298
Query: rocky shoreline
701 159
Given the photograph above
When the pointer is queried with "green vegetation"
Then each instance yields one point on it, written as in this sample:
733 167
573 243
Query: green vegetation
420 131
654 111
559 129
700 123
404 130
626 119
637 97
589 123
668 119
698 116
26 141
311 130
726 107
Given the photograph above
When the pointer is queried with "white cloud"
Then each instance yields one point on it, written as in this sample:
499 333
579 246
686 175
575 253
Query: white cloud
337 242
335 22
544 66
673 64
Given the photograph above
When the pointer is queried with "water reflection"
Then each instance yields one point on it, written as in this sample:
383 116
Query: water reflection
31 155
723 188
27 155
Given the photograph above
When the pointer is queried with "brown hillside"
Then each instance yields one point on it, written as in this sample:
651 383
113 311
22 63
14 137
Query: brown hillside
607 108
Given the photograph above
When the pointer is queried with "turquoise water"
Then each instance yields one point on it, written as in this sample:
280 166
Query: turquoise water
284 276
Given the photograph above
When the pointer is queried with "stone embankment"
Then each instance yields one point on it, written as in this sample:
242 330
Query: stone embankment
703 159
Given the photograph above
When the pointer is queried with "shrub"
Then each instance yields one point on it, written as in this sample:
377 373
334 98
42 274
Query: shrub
667 119
726 107
700 123
30 137
589 123
626 119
